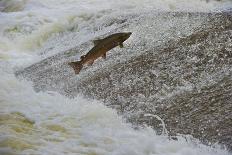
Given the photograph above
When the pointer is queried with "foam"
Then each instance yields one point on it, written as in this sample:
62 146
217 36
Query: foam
48 123
30 28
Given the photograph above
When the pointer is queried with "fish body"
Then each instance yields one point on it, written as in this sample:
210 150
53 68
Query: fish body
100 48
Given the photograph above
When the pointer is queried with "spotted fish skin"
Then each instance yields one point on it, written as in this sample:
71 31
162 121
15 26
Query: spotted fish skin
100 48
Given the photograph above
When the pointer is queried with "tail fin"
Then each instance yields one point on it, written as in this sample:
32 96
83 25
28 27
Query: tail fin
77 66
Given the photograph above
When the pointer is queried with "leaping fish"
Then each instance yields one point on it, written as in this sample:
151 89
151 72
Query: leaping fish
101 46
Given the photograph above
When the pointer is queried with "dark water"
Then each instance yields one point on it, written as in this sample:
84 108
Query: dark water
180 71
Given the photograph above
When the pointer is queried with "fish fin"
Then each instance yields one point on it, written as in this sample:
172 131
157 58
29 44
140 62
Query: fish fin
77 66
121 45
104 56
97 41
90 62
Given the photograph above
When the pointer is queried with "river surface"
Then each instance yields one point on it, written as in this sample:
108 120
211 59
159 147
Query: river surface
47 110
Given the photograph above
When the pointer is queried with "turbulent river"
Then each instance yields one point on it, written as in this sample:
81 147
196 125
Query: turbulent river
167 92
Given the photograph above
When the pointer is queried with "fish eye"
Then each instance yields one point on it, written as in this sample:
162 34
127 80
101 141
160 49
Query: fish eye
83 56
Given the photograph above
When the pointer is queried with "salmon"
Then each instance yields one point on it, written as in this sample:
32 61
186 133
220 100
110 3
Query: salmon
101 46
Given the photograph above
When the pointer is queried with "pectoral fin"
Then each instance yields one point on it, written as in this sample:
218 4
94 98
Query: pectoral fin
104 56
121 45
90 62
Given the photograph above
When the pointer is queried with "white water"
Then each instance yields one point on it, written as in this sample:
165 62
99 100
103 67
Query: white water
48 123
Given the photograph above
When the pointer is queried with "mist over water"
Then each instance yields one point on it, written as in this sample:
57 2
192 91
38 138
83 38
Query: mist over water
47 122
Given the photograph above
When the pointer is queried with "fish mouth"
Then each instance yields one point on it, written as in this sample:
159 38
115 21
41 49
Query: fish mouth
129 33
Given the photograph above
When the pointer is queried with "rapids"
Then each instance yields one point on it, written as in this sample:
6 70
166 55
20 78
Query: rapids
121 105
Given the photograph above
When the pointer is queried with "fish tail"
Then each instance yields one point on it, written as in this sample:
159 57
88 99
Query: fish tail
77 66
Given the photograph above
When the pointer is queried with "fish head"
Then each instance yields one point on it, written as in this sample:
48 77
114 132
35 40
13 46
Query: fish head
125 36
83 57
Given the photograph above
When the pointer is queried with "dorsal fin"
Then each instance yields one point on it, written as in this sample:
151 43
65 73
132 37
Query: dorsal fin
97 41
